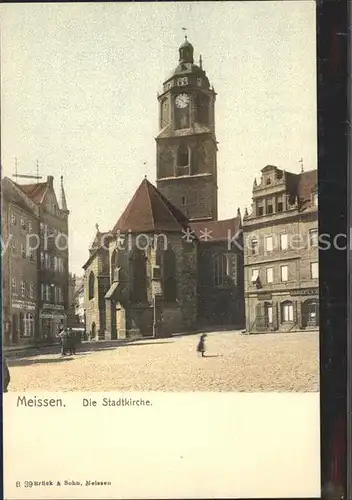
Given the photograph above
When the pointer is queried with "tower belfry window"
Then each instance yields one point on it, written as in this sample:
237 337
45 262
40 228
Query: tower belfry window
183 156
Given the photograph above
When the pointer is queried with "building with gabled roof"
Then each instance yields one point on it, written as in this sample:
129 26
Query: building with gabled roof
36 270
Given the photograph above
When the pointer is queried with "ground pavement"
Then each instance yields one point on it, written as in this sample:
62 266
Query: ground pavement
233 362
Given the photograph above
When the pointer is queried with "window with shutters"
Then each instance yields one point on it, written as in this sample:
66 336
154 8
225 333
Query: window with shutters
283 241
269 275
284 273
314 270
269 243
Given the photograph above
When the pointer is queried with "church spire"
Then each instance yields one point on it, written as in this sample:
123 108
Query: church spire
186 52
63 196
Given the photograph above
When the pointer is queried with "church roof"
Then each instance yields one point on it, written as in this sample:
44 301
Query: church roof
34 191
150 211
219 230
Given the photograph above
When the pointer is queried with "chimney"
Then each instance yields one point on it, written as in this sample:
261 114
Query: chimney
50 181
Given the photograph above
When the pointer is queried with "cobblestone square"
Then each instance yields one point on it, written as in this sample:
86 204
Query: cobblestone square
233 362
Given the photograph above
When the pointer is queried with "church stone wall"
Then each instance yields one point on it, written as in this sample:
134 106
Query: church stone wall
195 196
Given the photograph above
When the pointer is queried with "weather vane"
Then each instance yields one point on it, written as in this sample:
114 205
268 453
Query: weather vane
301 163
184 29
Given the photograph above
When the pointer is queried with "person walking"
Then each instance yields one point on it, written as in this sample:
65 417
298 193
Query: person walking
201 345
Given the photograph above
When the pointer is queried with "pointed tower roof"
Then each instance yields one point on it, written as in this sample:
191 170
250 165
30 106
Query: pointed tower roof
149 211
63 196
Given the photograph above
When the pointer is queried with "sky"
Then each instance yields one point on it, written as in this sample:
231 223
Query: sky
79 94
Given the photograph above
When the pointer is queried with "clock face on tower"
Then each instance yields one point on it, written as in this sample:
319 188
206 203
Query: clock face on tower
182 100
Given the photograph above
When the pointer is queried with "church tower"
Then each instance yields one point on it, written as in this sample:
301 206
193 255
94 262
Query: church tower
186 143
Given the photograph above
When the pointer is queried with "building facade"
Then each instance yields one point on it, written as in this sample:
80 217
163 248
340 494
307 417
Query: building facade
190 270
35 261
20 220
281 269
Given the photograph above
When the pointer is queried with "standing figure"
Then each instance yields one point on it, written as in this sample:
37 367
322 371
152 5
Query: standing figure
72 342
201 345
63 339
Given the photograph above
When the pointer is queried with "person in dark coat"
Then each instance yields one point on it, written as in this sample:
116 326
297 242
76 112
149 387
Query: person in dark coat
5 375
71 342
201 345
64 342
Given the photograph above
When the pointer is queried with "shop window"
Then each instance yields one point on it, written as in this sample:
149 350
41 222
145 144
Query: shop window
286 312
28 325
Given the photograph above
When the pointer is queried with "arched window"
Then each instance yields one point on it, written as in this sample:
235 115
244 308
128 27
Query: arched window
169 275
138 263
91 286
286 312
113 265
219 270
183 156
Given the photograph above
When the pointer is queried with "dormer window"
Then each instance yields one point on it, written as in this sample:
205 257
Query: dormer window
269 208
268 181
280 206
260 211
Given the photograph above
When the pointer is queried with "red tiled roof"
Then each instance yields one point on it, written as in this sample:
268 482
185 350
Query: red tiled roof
302 185
33 191
306 184
150 211
217 230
